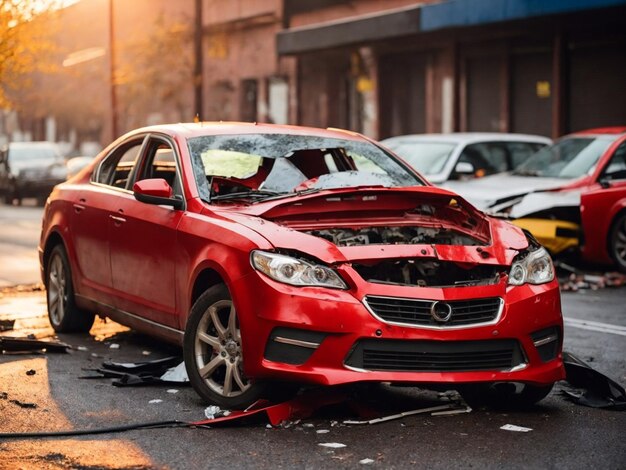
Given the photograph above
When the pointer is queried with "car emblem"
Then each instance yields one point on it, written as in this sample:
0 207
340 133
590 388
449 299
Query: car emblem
441 312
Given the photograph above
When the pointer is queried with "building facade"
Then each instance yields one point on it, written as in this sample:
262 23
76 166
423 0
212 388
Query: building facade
393 67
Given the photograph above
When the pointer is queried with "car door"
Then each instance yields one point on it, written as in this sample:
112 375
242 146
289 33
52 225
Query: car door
143 241
601 204
91 217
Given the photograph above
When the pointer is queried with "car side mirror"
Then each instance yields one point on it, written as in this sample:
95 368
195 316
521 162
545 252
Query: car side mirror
464 169
605 183
156 191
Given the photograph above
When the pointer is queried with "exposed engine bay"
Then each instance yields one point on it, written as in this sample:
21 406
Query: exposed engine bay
429 273
394 236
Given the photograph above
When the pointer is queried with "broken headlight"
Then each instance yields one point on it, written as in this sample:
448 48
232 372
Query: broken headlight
295 271
534 268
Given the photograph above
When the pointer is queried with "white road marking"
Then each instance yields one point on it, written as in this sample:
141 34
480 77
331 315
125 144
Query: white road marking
595 326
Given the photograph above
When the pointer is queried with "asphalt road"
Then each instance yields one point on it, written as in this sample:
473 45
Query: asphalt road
563 435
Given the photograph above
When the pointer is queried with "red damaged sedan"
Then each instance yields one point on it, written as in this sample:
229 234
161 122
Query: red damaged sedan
275 253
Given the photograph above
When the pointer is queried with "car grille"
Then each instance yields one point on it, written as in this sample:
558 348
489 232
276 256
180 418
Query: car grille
435 356
417 312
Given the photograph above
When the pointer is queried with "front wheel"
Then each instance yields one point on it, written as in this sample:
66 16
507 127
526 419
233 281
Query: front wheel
64 315
213 354
617 242
503 396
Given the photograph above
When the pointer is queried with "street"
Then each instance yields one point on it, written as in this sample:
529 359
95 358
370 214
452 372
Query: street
19 235
564 435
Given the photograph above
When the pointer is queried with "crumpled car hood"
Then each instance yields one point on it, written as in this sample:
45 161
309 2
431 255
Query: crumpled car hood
288 224
490 190
544 201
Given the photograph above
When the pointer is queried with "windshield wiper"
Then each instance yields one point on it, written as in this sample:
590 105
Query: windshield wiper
527 172
252 194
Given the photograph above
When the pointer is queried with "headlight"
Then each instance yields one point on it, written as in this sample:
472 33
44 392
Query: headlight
295 271
535 268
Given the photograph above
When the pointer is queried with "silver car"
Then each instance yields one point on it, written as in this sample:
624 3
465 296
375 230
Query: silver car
458 156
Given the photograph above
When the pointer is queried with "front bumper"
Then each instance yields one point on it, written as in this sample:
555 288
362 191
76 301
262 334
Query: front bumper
322 336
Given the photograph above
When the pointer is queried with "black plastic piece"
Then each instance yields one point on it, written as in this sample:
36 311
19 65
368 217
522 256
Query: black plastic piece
289 353
548 351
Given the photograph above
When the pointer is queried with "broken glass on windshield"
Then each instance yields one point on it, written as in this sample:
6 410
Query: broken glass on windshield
258 166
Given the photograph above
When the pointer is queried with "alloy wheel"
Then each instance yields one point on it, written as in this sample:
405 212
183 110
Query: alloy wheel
619 248
217 349
57 290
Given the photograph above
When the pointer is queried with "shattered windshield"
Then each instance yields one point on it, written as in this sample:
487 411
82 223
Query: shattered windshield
569 158
429 158
260 166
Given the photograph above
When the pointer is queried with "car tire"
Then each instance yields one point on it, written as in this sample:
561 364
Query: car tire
503 396
213 354
64 315
617 242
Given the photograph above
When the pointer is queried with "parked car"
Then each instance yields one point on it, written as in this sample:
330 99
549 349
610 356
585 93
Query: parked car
543 195
30 169
459 156
278 253
603 214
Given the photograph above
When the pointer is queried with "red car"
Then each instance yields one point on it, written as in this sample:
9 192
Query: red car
276 253
546 194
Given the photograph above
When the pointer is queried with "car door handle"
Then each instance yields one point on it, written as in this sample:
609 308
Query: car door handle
78 208
117 220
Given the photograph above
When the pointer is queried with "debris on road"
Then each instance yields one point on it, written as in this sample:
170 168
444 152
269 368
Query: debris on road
457 411
366 461
580 280
23 404
10 345
168 370
322 431
212 412
409 413
31 372
332 445
114 346
172 390
514 428
599 391
176 374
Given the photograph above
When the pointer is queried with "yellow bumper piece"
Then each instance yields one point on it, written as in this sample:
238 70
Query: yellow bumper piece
556 235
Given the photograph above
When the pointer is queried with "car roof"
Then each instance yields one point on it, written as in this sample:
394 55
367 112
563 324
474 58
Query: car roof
470 137
191 130
615 130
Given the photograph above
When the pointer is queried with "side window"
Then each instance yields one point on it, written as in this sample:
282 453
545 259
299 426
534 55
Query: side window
116 169
616 168
160 162
485 161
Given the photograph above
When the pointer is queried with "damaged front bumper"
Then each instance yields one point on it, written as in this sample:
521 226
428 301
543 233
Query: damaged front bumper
381 332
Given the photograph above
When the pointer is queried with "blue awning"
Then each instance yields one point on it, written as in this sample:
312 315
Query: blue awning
458 13
420 18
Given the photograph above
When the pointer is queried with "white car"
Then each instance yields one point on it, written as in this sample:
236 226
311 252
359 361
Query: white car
460 156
